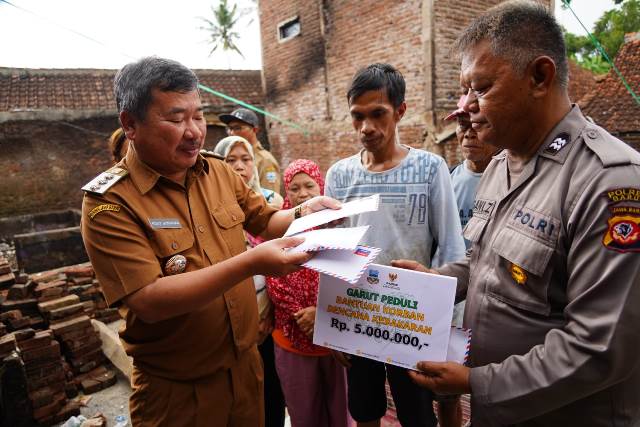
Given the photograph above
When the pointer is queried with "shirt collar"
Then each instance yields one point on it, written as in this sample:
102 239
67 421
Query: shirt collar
145 178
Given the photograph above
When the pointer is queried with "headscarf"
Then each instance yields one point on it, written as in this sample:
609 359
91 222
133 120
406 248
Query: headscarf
225 145
297 290
294 168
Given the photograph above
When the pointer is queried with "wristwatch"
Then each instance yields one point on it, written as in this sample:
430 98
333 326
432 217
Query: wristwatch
297 212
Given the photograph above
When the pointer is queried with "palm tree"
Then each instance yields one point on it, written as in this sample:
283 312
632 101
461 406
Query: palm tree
221 28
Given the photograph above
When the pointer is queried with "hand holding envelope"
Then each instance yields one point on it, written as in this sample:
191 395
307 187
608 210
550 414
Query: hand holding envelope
338 252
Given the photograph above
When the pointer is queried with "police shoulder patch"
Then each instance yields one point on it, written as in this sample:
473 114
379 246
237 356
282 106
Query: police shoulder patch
271 177
623 233
104 207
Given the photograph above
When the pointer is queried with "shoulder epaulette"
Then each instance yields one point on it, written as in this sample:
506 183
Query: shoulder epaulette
103 182
207 153
609 149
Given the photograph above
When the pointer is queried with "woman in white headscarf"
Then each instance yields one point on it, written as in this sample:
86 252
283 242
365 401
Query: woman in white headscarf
238 153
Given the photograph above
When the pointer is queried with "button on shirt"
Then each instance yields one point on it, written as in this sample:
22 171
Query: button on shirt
554 284
129 249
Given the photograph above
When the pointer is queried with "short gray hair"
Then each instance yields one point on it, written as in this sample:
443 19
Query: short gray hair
135 81
519 31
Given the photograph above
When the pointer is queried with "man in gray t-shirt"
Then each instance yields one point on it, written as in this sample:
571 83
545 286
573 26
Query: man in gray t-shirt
417 211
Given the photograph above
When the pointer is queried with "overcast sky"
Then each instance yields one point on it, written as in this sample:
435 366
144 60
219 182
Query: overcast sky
127 29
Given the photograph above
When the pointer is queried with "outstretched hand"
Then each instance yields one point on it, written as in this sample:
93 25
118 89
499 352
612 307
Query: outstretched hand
271 258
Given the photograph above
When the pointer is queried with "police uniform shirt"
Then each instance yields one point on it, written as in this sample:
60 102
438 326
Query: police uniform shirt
554 284
134 228
268 168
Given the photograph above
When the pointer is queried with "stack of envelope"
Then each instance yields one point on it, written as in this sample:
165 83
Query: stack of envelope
339 253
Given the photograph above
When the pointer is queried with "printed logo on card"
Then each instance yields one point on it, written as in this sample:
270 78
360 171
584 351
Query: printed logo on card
373 277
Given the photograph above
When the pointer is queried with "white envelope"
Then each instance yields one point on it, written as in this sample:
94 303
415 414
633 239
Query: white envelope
330 238
325 216
344 264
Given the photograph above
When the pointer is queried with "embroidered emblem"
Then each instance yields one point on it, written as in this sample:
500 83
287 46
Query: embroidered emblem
175 265
271 177
623 233
558 143
518 274
623 195
104 207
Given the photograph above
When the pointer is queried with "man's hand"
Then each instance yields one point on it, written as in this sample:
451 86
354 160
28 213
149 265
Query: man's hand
319 203
271 259
442 377
412 265
342 358
305 318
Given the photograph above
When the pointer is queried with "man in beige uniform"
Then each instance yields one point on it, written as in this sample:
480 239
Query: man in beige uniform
243 122
164 232
553 279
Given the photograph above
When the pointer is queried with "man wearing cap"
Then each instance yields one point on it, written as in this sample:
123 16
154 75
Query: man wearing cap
164 232
243 122
553 278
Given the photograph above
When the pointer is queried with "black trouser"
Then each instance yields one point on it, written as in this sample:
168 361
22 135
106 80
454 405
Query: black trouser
273 397
368 397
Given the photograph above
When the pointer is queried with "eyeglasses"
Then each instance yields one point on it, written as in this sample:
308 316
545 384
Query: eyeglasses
236 128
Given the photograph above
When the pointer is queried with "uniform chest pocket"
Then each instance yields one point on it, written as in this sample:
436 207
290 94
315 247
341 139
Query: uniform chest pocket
522 271
168 242
229 218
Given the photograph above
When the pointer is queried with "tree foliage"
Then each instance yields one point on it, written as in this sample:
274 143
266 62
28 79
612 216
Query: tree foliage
222 33
609 29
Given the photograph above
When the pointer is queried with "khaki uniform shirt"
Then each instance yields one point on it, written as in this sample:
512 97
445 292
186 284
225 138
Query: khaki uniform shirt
268 168
151 219
553 276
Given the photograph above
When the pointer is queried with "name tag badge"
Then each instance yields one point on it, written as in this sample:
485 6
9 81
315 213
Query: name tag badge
165 223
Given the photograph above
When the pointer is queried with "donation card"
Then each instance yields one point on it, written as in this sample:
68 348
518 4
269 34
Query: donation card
390 314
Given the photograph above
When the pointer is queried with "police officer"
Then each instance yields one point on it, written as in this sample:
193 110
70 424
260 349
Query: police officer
243 122
164 232
553 279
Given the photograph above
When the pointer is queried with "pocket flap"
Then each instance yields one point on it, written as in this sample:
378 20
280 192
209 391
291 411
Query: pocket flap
473 229
168 242
524 251
228 216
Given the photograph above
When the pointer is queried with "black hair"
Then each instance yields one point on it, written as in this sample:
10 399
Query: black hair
519 31
375 77
135 81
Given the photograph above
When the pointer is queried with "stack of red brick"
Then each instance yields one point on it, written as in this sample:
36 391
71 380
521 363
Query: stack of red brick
47 383
47 338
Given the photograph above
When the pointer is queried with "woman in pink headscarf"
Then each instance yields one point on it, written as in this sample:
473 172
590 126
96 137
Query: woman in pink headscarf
313 383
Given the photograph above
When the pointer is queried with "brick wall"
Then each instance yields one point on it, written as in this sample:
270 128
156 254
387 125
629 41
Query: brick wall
44 164
306 77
